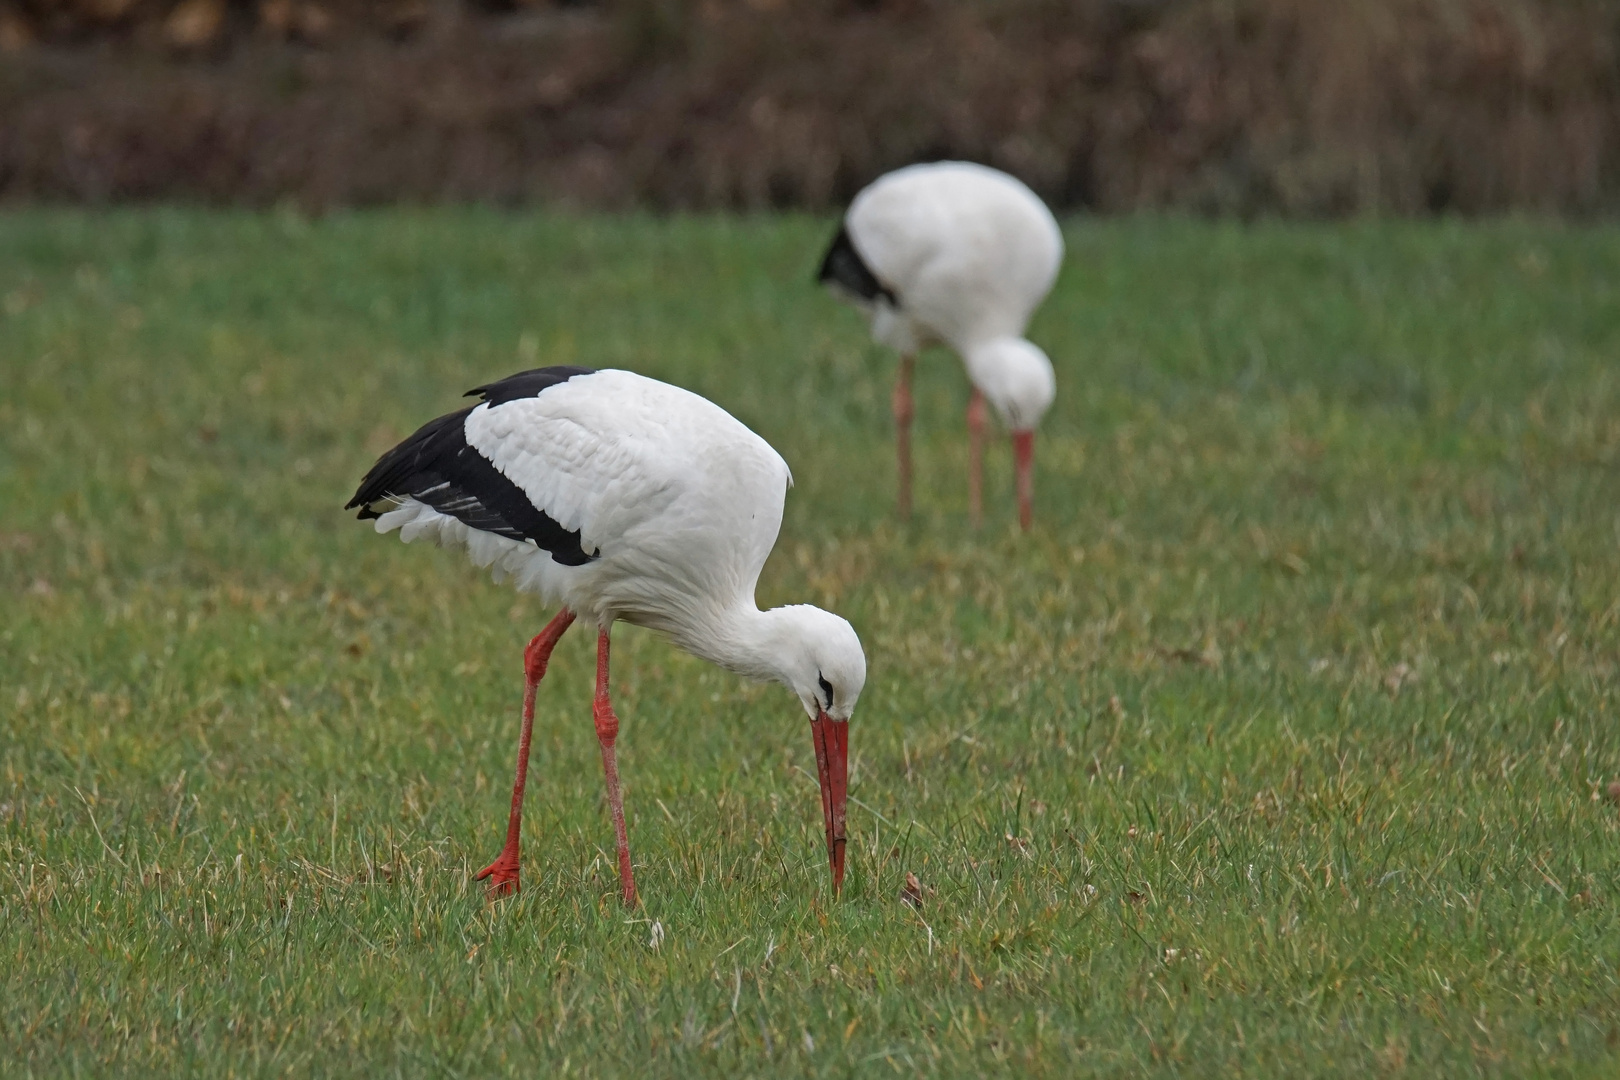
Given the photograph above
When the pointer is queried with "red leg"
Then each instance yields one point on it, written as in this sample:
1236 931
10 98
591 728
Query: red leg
607 733
902 431
503 872
976 425
1024 456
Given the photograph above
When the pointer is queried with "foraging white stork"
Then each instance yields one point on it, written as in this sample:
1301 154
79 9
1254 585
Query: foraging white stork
620 497
961 255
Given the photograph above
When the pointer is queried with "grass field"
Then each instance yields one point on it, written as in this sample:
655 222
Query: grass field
1280 746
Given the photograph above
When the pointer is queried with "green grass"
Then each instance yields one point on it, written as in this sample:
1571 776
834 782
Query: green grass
1278 747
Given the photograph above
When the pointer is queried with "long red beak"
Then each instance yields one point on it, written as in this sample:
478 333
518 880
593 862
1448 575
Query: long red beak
1024 455
832 766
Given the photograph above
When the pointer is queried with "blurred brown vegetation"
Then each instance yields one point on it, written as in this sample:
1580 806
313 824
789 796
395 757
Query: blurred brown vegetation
1306 107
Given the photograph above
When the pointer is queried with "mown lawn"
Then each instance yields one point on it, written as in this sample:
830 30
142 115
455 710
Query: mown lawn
1280 747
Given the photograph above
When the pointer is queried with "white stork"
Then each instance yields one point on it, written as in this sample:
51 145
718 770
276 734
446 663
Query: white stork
961 255
620 497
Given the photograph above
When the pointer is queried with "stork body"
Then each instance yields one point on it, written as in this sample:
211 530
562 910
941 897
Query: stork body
960 255
618 497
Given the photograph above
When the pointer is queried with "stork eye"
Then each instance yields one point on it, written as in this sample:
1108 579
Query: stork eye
826 687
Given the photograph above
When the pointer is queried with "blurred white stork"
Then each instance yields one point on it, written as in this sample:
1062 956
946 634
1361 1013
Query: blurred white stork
961 255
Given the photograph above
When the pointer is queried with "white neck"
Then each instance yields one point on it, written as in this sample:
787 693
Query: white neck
745 640
813 653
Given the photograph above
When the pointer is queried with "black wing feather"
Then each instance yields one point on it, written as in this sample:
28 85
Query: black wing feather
844 267
436 466
526 384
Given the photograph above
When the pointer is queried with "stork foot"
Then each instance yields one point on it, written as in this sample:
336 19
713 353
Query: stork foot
502 875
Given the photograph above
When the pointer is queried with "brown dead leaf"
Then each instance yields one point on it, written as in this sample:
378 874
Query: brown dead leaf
912 893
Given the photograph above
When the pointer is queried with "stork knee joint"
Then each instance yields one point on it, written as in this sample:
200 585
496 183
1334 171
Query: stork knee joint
607 724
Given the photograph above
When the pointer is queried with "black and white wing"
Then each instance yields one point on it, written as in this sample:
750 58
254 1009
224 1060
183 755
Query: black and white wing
439 468
844 268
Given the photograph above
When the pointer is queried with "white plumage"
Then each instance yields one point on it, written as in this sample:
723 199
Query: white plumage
957 254
680 500
645 503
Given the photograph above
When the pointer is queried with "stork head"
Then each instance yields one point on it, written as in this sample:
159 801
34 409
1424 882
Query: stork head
1015 376
817 655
